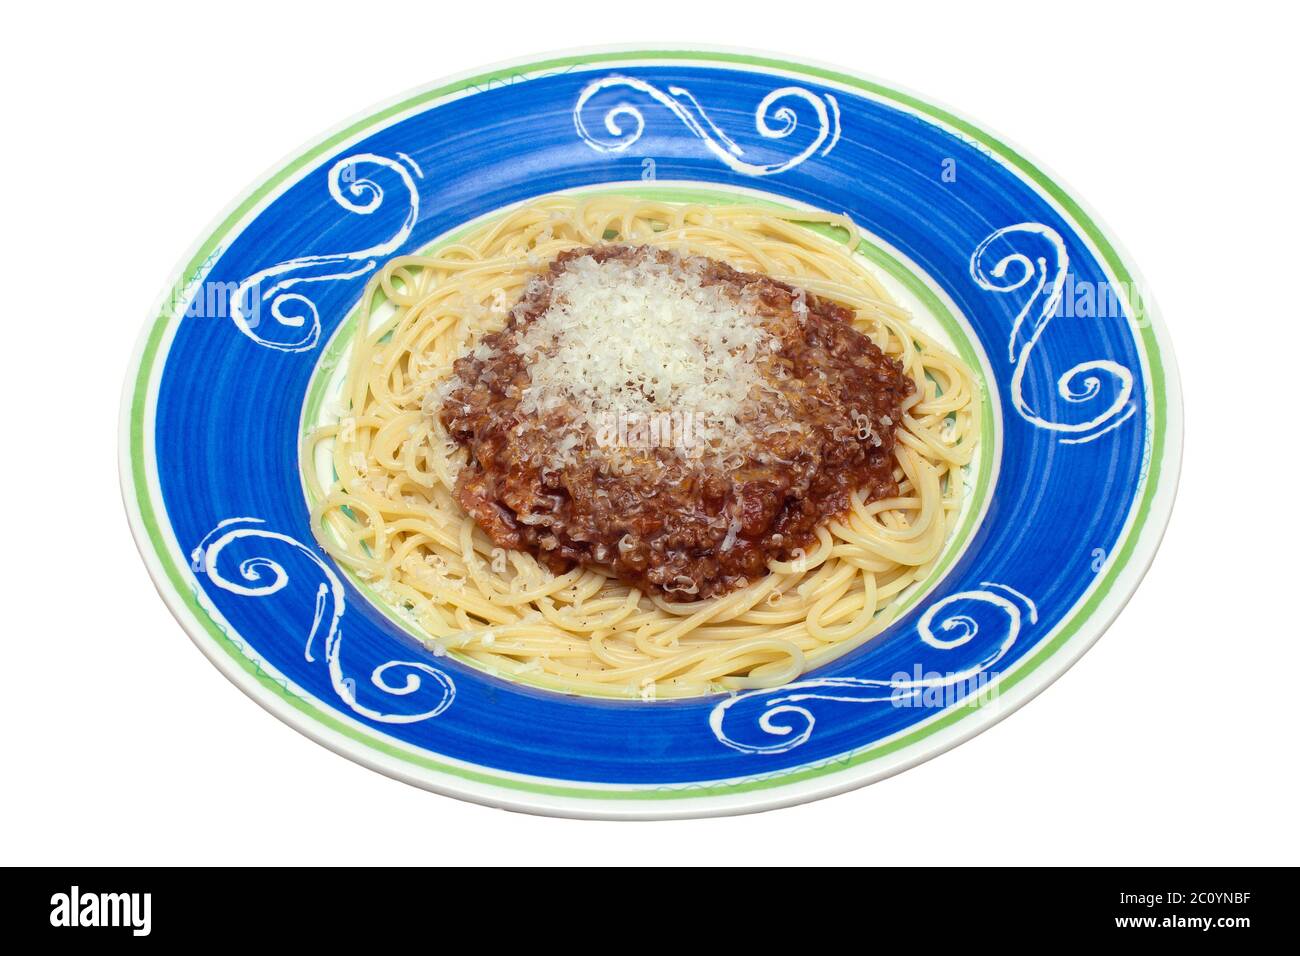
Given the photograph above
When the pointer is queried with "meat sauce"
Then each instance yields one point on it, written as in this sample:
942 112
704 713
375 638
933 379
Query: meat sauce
683 526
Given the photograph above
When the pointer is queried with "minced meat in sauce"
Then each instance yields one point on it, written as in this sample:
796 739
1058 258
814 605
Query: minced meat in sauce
681 523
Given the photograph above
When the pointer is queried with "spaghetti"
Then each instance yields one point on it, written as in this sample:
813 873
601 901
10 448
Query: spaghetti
391 513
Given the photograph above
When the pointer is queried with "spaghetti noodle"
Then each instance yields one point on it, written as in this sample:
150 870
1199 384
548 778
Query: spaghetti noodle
391 514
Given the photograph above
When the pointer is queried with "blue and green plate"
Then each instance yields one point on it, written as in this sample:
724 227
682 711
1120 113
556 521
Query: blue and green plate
1065 504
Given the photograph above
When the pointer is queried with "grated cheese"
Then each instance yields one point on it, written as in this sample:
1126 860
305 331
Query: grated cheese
643 338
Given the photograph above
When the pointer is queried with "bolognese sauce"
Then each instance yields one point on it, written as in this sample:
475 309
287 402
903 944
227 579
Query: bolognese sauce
669 420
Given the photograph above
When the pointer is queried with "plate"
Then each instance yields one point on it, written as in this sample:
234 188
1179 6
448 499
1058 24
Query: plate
1066 504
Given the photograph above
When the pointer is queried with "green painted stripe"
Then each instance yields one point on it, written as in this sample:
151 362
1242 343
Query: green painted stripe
1159 409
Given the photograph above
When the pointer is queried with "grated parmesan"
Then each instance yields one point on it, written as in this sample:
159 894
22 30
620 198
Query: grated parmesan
643 338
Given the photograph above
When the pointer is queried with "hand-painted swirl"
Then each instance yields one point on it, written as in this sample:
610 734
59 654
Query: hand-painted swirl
271 285
772 120
1047 294
329 597
781 711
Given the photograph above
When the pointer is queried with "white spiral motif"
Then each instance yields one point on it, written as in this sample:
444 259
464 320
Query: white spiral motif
1079 384
261 576
272 285
783 717
775 118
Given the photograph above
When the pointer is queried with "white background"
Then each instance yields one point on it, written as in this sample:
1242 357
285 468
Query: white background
1172 741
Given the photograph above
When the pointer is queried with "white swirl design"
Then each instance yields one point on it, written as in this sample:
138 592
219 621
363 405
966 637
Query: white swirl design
783 716
262 576
272 285
1019 346
773 119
